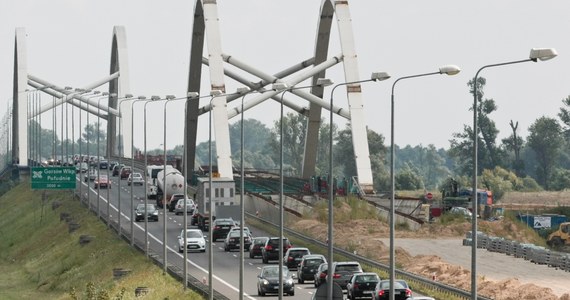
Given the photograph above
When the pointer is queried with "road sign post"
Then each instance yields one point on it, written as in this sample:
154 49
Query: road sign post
53 178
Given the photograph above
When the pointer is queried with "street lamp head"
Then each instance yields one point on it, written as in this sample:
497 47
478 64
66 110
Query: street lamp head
449 70
279 86
192 95
96 92
129 95
154 98
68 88
379 76
215 93
78 90
141 97
542 54
104 93
170 97
324 82
242 90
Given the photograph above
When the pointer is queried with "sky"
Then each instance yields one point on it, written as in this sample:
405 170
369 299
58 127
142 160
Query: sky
69 44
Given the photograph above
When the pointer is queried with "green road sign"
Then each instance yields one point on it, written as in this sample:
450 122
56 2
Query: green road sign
53 178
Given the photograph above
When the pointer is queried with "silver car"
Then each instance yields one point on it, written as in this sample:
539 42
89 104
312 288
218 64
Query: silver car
135 179
190 206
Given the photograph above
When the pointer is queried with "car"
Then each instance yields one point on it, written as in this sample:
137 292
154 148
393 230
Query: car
321 275
135 179
81 167
103 164
151 212
361 285
221 227
256 244
102 181
112 164
343 271
401 290
268 281
293 257
308 267
179 208
270 250
125 172
232 240
90 175
461 211
171 204
194 240
117 169
245 229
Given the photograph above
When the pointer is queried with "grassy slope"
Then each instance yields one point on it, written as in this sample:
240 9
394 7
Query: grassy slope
40 259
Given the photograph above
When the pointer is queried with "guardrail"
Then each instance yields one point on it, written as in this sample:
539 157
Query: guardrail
535 254
413 279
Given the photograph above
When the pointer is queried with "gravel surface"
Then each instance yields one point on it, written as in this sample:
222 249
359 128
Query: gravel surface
494 266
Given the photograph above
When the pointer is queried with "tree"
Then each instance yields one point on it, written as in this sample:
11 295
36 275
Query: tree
515 143
545 140
408 178
489 154
564 116
344 157
294 129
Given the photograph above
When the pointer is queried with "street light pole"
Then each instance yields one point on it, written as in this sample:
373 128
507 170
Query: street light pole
449 70
164 193
140 98
99 154
283 87
120 150
535 55
213 95
153 98
189 96
380 76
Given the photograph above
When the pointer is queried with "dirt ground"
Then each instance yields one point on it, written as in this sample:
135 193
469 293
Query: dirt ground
369 245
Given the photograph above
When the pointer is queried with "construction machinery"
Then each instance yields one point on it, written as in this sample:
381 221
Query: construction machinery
560 237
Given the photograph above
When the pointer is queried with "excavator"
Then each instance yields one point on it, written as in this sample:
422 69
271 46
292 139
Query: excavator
560 237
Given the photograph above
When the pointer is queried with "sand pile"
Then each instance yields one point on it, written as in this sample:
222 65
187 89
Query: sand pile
361 236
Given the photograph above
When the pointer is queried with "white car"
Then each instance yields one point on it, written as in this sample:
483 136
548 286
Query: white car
135 179
90 175
195 240
461 211
245 230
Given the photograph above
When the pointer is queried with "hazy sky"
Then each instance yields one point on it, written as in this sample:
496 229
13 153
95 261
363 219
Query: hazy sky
69 44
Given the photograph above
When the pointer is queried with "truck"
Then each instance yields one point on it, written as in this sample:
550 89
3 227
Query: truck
168 184
454 196
151 184
225 204
560 237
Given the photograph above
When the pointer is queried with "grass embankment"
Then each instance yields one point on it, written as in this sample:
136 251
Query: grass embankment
41 259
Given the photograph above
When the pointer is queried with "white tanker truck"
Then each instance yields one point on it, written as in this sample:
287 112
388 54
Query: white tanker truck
166 187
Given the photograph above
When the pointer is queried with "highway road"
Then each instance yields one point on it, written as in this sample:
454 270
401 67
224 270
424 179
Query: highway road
225 264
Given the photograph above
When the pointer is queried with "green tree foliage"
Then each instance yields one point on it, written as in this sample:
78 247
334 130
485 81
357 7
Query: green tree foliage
564 116
500 181
429 162
489 153
294 130
344 157
408 179
560 179
545 140
256 145
514 143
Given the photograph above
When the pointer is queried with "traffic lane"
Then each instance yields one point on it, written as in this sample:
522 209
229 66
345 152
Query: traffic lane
226 264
